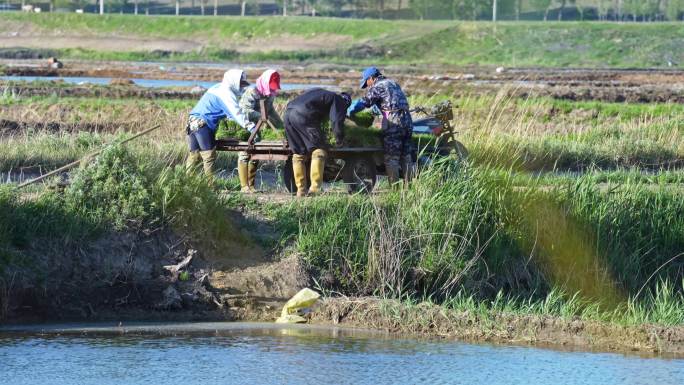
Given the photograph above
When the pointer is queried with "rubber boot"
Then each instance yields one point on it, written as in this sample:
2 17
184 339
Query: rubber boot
299 172
208 160
409 168
192 161
317 169
243 175
252 167
392 168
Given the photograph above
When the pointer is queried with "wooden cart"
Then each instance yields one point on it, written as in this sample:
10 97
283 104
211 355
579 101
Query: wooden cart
357 167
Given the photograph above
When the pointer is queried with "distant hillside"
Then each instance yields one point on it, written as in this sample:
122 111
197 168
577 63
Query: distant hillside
512 44
556 44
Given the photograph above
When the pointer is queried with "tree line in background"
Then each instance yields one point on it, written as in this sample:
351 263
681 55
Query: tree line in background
615 10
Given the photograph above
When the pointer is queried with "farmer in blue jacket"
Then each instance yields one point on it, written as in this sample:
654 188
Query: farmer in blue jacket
221 101
397 125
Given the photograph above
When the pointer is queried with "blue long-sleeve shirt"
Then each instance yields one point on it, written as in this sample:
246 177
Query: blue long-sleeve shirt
221 101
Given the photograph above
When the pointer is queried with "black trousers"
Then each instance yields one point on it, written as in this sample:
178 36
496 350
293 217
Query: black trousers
303 135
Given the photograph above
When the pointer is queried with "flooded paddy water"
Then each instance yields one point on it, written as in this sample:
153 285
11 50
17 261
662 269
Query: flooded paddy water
150 83
609 85
246 353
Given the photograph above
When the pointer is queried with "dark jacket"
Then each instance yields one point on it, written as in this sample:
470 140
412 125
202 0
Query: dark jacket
317 105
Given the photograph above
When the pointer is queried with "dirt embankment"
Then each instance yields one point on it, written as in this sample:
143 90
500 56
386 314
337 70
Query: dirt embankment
173 71
129 276
28 36
144 275
435 321
112 43
60 89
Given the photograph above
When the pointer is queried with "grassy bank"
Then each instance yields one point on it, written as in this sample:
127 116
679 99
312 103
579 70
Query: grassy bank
496 237
359 41
548 44
214 29
552 321
460 235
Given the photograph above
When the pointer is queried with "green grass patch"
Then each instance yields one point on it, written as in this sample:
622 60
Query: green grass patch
466 228
213 29
546 44
118 190
578 44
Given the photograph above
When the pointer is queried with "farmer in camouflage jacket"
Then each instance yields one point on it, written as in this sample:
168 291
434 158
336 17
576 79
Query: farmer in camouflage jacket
397 126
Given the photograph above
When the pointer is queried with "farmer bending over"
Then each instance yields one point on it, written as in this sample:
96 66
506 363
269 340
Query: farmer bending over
267 86
303 119
397 125
219 102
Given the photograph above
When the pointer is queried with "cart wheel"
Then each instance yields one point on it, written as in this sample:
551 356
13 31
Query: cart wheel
460 150
359 174
287 177
454 147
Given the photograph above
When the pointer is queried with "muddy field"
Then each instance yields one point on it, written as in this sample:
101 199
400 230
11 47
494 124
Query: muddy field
150 275
638 86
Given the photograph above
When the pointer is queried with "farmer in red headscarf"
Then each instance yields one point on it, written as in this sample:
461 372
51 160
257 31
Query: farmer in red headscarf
267 86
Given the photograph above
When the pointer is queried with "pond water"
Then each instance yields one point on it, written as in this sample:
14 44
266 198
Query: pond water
238 353
17 177
150 83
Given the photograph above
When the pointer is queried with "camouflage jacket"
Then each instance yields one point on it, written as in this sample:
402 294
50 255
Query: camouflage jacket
387 95
250 106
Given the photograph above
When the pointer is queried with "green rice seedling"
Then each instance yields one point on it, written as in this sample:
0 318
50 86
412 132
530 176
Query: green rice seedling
363 119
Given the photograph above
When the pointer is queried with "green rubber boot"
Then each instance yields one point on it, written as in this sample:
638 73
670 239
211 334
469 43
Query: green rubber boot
392 168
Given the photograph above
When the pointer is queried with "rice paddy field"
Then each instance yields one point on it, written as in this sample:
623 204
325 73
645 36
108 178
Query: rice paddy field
605 163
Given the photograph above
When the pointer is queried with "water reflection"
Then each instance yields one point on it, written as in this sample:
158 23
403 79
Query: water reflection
303 356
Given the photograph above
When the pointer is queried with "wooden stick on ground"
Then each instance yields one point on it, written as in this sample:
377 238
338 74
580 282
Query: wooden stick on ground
75 163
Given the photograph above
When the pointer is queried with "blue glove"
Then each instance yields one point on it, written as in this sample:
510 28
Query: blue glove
356 106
